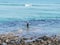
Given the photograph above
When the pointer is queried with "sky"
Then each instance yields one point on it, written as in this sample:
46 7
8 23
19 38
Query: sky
25 9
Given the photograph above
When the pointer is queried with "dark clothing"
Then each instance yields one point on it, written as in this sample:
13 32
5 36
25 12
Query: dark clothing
27 26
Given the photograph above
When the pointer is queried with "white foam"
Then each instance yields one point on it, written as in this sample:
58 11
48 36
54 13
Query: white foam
28 5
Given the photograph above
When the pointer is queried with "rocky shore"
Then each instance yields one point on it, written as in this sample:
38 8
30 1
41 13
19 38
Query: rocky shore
11 39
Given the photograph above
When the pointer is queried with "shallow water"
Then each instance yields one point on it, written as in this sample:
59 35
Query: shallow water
37 27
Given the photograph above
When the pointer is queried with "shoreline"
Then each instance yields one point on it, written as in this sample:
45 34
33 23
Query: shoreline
11 39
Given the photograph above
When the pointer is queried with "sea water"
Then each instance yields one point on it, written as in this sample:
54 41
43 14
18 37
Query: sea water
43 17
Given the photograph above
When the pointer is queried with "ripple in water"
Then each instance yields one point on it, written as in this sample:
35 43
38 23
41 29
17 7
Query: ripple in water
38 27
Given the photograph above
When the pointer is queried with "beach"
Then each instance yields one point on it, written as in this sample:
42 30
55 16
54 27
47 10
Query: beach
11 39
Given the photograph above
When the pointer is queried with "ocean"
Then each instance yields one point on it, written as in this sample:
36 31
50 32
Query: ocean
43 16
